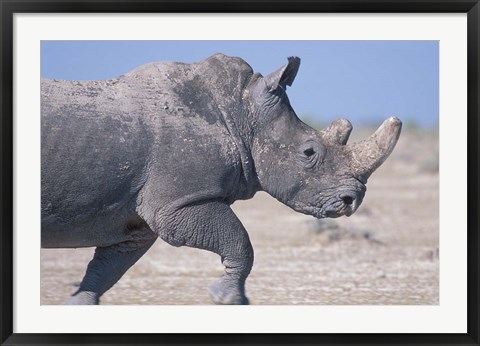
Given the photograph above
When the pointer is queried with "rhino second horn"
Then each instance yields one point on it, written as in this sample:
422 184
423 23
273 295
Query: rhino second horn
369 154
337 132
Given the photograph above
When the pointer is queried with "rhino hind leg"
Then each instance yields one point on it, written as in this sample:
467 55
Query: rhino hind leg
213 226
108 266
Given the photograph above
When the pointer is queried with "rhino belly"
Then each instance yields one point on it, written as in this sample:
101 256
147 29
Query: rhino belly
99 230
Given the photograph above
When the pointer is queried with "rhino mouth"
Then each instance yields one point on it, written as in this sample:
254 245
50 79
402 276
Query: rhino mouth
343 204
346 210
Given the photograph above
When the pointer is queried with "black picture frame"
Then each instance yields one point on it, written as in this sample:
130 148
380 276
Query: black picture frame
9 7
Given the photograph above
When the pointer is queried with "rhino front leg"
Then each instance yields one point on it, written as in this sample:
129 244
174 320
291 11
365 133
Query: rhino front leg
214 227
107 267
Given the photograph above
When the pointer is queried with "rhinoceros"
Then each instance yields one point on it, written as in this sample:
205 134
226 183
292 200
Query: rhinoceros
164 150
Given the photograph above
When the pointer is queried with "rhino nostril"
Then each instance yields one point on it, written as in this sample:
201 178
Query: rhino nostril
348 200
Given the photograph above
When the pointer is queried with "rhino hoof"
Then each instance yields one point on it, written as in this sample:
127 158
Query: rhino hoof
83 298
225 296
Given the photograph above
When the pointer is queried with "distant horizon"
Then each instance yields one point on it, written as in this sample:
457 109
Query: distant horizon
363 81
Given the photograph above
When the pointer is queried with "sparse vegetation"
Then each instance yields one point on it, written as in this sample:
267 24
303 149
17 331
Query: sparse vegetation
334 232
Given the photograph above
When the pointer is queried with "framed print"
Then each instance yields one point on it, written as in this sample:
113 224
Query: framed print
127 122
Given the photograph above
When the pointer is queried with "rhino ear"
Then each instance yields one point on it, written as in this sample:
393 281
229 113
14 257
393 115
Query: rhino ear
284 76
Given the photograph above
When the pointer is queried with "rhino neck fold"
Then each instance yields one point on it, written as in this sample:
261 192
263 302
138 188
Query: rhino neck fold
249 184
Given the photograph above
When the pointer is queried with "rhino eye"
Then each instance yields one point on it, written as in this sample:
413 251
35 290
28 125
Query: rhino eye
311 155
309 152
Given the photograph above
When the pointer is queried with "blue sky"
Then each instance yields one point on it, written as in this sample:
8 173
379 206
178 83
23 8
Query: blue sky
364 81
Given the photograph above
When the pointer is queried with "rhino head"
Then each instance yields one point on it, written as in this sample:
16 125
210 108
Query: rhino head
314 172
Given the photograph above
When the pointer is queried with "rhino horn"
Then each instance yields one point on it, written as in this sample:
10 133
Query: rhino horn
369 154
337 132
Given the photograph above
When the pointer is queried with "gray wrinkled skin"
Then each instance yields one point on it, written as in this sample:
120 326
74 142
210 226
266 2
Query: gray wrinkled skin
164 150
